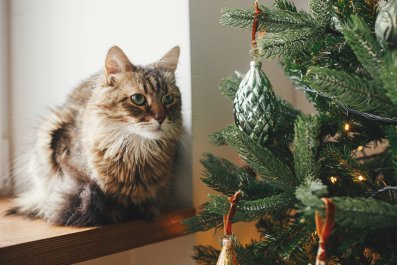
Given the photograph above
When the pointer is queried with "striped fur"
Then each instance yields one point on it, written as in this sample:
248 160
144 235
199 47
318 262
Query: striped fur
100 157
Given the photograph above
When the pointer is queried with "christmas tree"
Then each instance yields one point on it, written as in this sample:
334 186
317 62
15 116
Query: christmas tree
339 164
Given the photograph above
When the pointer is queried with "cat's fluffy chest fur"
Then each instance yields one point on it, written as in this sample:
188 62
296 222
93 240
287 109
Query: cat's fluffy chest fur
127 166
108 151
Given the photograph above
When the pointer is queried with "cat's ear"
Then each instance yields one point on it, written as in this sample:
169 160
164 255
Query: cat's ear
116 62
169 61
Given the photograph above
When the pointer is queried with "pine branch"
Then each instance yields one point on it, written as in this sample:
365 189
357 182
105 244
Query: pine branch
229 85
203 221
357 213
288 43
289 242
365 46
206 255
350 90
389 75
391 133
217 138
275 20
261 160
246 255
321 11
223 176
295 240
273 204
284 126
367 9
295 71
285 5
342 160
239 18
248 210
309 193
368 214
306 143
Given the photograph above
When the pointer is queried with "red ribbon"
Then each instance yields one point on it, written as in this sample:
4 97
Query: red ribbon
255 23
227 219
324 229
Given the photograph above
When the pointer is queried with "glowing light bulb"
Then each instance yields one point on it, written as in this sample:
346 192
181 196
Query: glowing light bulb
361 178
346 127
333 179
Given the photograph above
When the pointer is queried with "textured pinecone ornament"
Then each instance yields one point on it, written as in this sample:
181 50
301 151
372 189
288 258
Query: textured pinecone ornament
386 24
255 105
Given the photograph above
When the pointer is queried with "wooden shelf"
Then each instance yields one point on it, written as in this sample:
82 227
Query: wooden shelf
25 241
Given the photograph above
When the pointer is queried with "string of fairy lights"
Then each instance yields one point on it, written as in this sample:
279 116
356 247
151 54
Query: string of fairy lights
348 110
358 176
347 128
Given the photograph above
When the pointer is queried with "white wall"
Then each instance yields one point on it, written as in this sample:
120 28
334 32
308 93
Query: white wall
4 150
56 44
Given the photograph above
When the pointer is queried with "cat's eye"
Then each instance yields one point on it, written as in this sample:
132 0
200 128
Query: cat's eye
138 99
168 99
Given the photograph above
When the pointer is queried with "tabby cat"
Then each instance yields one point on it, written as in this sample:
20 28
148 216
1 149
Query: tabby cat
106 154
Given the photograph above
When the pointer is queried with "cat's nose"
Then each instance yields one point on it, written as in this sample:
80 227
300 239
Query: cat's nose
158 112
160 118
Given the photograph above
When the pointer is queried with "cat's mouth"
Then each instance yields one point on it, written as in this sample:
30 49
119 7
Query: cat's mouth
149 130
154 128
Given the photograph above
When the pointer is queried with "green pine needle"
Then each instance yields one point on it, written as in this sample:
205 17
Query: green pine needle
217 139
248 210
288 43
261 160
306 143
343 161
350 90
203 221
223 176
285 5
270 20
365 46
391 133
389 75
368 214
238 18
321 11
309 193
229 85
272 204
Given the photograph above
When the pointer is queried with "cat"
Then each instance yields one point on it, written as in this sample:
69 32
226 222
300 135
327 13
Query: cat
107 153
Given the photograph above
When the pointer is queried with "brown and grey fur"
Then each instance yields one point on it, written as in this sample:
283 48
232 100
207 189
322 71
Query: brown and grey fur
101 158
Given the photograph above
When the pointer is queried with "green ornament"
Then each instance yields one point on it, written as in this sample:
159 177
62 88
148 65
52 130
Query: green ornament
386 24
256 107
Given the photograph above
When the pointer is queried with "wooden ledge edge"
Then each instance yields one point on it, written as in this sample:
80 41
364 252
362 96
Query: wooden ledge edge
97 242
